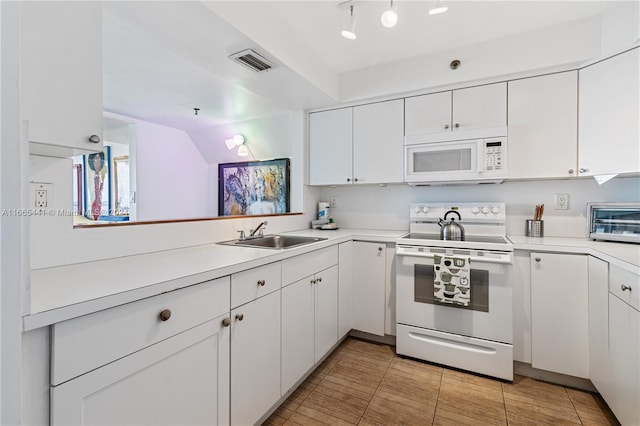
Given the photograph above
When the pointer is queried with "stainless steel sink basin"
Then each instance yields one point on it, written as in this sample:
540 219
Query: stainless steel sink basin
277 242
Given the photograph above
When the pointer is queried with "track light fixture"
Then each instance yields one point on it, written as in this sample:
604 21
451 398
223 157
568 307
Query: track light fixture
350 31
389 17
438 7
240 142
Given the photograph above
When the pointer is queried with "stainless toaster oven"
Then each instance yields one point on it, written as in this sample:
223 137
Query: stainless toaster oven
614 221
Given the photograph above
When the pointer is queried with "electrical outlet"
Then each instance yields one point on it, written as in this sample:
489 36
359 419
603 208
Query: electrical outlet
42 194
333 202
562 201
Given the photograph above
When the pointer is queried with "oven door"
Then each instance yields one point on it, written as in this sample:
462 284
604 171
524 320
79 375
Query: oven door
489 312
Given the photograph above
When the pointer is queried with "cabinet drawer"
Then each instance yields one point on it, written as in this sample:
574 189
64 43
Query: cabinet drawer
253 283
88 342
620 278
298 267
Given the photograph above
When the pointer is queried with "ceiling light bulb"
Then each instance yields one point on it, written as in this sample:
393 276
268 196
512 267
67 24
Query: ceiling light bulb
243 151
438 8
350 31
389 18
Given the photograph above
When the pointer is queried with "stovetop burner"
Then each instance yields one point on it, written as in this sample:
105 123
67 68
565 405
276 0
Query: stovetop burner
469 238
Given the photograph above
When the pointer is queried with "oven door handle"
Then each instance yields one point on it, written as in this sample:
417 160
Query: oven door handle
504 258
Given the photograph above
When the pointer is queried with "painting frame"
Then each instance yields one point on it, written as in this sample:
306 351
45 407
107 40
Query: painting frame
121 179
251 188
91 211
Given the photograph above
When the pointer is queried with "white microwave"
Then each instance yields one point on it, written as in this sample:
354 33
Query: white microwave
473 161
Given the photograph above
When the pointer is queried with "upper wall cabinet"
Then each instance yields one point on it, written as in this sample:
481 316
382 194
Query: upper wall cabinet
543 131
61 76
456 114
358 145
609 129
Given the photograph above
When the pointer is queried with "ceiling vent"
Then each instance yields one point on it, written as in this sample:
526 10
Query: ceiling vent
252 60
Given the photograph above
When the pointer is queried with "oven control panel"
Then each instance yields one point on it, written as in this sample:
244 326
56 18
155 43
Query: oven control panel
479 212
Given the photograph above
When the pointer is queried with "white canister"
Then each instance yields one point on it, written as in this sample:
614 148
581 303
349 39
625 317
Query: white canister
323 210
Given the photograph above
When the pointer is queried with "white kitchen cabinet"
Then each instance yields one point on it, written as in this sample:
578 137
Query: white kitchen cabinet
331 147
624 362
345 288
609 129
522 306
543 131
559 313
449 115
390 292
357 145
61 76
378 140
255 353
599 324
369 288
309 312
162 360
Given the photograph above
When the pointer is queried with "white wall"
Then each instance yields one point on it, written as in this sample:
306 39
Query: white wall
620 27
548 47
388 207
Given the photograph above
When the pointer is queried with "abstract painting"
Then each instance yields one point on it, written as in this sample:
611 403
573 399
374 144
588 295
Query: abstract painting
254 188
97 184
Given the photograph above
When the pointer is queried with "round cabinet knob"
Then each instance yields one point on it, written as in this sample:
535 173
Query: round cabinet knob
379 248
538 259
583 170
348 179
625 287
94 139
319 279
495 210
355 179
226 322
457 125
165 315
239 317
571 171
446 127
485 210
313 281
261 283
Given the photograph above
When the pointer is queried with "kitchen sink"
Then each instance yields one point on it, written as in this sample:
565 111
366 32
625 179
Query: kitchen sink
277 242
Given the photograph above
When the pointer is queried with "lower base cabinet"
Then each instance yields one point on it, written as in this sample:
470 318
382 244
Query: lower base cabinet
369 287
183 380
255 358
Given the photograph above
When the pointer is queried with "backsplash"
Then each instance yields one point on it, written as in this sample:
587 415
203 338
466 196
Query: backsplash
387 207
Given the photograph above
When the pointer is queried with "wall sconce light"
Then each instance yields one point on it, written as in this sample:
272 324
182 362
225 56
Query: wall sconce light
240 142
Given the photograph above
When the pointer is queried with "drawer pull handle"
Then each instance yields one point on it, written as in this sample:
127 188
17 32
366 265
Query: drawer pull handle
239 317
165 315
538 259
226 322
625 287
94 139
261 283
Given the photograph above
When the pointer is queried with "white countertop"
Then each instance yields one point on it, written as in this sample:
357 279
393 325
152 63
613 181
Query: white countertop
625 255
65 292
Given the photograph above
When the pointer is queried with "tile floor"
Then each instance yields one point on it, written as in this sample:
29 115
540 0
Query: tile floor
366 383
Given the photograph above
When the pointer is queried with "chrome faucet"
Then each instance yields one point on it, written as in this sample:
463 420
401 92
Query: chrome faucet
253 231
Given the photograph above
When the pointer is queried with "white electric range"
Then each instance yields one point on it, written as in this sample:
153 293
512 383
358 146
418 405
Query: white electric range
454 298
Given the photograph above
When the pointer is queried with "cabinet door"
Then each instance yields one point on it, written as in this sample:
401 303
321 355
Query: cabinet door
297 331
543 131
326 311
624 350
330 147
61 73
183 380
599 325
559 313
369 263
255 359
480 107
345 288
378 141
428 114
609 128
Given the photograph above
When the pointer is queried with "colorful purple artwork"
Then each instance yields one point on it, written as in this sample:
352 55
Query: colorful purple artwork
254 188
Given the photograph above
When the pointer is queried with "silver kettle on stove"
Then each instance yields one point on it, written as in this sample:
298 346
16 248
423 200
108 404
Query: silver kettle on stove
451 231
